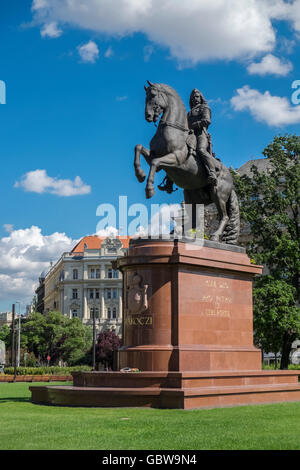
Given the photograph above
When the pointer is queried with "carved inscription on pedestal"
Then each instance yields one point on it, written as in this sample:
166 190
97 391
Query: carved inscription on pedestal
137 320
218 305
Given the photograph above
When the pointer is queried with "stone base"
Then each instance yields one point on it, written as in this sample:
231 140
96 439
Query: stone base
188 327
182 390
190 358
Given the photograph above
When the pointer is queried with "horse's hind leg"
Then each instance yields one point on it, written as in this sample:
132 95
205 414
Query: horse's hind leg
139 173
220 201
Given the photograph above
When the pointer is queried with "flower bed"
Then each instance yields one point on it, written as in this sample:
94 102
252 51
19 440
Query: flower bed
35 378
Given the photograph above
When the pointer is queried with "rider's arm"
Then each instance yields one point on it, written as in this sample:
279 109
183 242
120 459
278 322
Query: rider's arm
206 117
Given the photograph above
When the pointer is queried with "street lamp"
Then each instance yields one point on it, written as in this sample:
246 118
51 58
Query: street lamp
94 333
19 335
94 339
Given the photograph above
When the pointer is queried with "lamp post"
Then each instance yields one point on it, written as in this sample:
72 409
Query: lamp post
13 347
19 335
94 332
94 339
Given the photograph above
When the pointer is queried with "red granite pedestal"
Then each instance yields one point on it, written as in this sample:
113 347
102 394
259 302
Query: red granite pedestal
188 328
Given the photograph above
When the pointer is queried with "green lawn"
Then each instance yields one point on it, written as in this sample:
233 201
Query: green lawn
25 426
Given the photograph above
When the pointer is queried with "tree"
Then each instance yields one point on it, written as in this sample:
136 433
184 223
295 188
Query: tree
269 202
5 335
56 335
107 343
75 342
275 313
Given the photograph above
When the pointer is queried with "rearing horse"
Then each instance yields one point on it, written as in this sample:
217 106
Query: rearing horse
169 151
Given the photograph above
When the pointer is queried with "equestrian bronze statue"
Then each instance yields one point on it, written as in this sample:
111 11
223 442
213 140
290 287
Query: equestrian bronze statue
182 148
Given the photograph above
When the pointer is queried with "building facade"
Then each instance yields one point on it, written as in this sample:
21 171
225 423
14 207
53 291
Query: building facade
6 318
40 294
83 283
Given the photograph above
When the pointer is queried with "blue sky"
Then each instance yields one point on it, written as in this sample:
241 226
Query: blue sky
80 112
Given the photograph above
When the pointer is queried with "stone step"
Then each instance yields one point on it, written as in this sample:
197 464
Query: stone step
182 380
186 398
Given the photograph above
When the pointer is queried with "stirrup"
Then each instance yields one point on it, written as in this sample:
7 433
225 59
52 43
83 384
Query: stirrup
167 185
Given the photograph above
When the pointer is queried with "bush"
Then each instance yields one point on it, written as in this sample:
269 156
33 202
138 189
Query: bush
272 367
53 370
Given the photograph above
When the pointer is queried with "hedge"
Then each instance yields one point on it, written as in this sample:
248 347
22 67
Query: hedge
272 367
52 370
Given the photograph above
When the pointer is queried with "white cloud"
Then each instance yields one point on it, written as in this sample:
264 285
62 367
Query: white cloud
148 51
273 110
38 181
286 46
270 65
122 98
109 52
24 255
287 10
51 30
89 52
192 30
108 232
8 227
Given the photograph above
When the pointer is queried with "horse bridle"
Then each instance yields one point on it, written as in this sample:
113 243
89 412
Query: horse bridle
176 125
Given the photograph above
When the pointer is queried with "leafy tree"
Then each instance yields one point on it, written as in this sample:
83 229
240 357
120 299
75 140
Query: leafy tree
74 342
5 335
275 314
269 202
55 335
107 343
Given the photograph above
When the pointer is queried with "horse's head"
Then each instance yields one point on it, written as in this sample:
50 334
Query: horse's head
156 102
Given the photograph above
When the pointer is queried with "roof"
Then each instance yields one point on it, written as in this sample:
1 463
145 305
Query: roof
93 242
262 164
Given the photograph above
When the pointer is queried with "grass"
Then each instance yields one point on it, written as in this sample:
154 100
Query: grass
25 426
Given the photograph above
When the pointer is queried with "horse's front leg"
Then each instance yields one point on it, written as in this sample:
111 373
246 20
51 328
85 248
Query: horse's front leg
156 164
139 173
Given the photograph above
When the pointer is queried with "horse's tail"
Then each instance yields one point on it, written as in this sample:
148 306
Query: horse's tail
232 229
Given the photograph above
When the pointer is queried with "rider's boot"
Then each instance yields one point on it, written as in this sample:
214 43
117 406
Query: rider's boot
166 185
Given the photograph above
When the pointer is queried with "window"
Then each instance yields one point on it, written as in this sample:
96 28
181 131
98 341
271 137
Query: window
92 273
110 273
75 273
75 293
97 294
74 313
109 313
115 293
115 274
94 310
91 293
108 293
114 313
97 273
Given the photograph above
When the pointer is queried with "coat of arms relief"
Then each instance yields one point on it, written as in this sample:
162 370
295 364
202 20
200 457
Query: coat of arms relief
136 294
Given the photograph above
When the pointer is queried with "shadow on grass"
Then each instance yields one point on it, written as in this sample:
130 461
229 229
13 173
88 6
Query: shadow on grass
15 399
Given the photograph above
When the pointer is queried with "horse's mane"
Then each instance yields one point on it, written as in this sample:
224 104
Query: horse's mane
169 91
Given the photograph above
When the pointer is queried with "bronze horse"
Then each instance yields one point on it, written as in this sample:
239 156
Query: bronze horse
170 151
